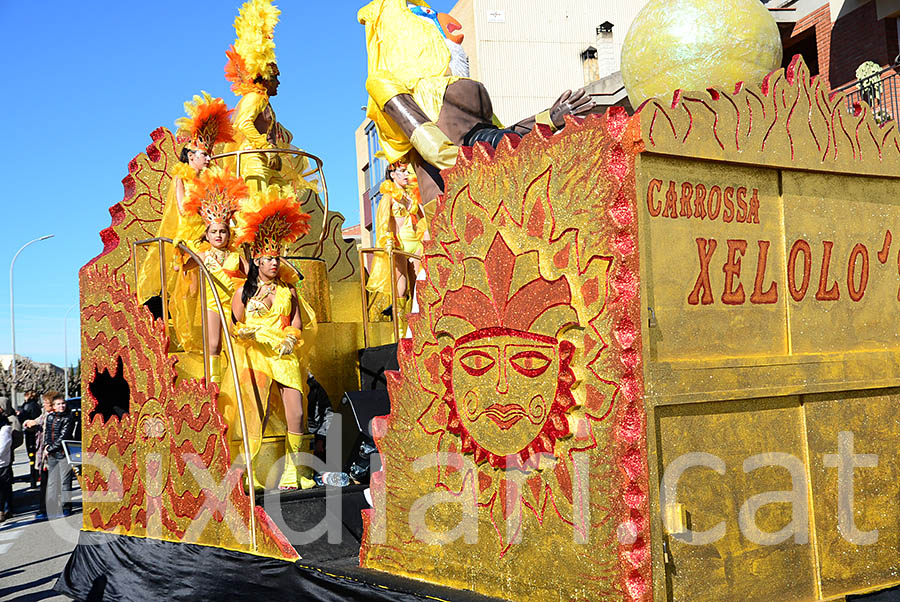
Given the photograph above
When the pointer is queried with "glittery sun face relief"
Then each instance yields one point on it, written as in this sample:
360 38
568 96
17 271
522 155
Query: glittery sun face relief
507 373
509 392
504 385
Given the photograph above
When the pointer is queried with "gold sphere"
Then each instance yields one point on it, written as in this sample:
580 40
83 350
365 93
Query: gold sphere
698 44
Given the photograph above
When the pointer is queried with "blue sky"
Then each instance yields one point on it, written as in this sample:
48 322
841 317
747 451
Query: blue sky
86 83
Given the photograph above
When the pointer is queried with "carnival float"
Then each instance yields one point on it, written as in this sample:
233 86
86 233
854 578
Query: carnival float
647 354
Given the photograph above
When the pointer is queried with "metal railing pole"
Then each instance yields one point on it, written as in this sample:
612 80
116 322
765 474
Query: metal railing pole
248 457
321 244
395 323
204 327
391 252
363 297
162 282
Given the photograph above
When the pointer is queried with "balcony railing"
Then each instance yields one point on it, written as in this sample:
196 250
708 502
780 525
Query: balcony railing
880 91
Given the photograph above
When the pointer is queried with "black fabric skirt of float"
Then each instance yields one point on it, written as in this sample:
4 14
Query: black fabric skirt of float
111 567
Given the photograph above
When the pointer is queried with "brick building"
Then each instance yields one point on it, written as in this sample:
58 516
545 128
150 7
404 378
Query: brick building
835 38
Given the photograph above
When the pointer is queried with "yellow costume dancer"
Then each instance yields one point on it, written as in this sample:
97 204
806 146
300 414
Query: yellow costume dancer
207 124
274 325
253 72
400 223
214 198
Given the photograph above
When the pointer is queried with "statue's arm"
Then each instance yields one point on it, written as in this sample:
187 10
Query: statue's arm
574 103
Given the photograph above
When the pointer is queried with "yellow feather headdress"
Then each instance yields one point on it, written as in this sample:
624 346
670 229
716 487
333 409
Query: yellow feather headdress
253 52
270 220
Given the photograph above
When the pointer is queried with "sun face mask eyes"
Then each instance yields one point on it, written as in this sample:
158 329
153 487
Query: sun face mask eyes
530 363
477 362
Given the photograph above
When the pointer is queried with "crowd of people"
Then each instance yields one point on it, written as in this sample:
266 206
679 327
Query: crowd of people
43 423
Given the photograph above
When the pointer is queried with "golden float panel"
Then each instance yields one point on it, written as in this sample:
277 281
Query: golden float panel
156 460
770 293
514 459
338 254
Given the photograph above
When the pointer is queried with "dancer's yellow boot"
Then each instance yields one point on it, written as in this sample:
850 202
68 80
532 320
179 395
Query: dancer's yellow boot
296 477
403 305
215 369
305 473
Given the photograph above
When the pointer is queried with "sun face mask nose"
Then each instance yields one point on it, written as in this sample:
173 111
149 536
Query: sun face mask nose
502 369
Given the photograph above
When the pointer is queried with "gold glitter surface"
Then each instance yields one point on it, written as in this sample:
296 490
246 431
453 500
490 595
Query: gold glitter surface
163 469
872 418
733 567
315 289
770 283
515 438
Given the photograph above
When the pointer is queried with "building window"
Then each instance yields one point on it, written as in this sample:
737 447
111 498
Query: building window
375 170
806 45
377 165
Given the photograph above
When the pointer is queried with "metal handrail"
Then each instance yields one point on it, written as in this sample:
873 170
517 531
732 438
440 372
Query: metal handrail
300 277
391 252
857 82
207 279
303 257
289 151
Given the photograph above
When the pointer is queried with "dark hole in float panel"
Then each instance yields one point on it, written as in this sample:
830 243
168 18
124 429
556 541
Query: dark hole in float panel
112 393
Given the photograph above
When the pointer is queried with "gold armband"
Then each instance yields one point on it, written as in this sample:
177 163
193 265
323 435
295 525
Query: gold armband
544 119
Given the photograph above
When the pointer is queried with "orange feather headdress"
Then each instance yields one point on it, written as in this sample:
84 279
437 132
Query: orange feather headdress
253 52
215 197
270 220
207 124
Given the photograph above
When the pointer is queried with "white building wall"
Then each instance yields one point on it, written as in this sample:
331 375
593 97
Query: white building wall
529 51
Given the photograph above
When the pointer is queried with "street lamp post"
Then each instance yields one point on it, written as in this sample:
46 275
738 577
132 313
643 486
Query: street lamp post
12 317
66 348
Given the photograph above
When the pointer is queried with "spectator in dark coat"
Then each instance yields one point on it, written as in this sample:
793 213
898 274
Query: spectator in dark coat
40 451
59 427
31 410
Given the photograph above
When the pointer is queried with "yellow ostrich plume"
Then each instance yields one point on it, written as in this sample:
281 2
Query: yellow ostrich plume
253 52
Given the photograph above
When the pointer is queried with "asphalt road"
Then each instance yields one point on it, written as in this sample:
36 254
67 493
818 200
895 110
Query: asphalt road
33 554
